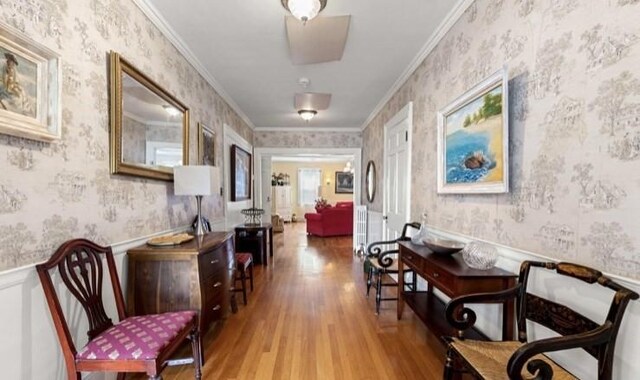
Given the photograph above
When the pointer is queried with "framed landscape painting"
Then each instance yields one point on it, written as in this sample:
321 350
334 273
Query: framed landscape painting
240 174
473 140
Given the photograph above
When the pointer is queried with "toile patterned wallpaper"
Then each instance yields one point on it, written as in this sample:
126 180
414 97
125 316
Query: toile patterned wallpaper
53 192
574 124
308 139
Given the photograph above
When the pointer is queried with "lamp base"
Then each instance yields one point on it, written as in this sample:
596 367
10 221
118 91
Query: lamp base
199 228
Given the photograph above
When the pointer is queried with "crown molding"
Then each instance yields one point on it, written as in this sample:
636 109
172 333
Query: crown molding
156 19
308 129
452 17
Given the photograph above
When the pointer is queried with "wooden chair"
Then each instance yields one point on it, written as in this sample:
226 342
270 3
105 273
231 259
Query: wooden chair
381 263
135 344
244 266
501 360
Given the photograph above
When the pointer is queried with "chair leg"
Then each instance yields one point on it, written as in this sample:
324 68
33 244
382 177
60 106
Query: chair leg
243 279
378 291
121 375
196 346
369 276
251 275
448 366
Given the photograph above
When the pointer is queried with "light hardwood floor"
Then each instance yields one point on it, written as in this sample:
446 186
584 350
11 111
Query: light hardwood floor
308 318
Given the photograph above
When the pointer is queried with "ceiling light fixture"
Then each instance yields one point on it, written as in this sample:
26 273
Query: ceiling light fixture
307 115
172 111
304 10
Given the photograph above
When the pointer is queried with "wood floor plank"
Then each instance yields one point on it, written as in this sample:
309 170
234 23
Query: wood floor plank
308 318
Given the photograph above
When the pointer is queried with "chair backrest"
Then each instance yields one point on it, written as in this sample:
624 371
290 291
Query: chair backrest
564 320
80 266
381 250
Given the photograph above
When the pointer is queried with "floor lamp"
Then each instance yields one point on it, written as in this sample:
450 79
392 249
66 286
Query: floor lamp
198 180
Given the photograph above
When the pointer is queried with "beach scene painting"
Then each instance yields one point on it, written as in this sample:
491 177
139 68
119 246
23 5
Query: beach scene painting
473 140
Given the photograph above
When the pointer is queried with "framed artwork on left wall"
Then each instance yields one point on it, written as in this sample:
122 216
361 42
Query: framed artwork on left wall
240 174
206 145
29 87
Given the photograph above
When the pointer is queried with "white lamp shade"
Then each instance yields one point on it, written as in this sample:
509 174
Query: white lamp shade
196 180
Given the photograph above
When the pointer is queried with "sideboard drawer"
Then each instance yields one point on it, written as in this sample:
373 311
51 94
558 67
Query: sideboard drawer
212 262
414 261
440 279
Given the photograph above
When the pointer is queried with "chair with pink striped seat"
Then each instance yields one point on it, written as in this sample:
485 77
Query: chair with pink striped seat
244 265
135 344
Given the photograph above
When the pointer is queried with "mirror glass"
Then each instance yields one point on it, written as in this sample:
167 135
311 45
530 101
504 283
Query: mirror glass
149 127
371 181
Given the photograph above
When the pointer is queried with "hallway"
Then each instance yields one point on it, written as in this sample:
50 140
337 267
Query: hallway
308 319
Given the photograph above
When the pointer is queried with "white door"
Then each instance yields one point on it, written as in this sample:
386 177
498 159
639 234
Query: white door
265 187
397 169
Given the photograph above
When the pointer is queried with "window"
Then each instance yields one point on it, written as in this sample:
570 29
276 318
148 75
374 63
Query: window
308 184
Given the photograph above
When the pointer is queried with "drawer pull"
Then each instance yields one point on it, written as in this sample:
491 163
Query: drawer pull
409 257
215 261
217 284
436 274
216 308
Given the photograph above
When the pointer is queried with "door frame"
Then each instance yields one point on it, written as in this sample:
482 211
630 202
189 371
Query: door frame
405 113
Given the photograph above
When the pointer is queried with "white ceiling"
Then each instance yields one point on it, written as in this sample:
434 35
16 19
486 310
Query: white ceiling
242 45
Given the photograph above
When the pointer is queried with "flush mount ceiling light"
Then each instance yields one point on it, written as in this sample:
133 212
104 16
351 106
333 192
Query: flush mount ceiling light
304 10
172 111
307 115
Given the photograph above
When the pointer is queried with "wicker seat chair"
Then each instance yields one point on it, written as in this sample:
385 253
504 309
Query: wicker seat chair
382 260
502 360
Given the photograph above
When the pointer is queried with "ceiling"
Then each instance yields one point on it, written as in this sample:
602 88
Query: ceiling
241 46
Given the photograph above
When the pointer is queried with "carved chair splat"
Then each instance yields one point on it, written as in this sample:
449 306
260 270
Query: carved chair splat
490 360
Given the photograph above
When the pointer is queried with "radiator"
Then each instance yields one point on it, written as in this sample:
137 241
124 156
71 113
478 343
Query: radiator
360 230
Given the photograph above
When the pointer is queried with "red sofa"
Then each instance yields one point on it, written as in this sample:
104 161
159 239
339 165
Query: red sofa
331 221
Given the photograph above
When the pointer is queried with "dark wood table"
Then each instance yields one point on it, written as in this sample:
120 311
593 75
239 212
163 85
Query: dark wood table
256 233
453 277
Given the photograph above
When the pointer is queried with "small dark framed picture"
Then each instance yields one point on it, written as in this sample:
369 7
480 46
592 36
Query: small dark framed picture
344 183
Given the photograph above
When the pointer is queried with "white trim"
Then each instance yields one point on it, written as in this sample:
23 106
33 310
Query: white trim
444 27
17 276
308 129
161 23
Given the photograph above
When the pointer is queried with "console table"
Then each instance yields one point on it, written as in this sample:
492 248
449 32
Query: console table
255 238
194 275
453 277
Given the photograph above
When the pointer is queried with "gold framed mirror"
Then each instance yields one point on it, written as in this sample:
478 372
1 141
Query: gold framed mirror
149 128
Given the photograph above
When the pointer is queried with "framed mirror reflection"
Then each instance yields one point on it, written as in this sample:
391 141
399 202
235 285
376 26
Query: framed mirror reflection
149 127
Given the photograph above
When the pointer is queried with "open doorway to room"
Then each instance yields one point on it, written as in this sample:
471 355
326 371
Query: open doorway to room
293 181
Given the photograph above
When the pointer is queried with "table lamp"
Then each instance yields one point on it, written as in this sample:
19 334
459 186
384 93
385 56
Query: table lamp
198 180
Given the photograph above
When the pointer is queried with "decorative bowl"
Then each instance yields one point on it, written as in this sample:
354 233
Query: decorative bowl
442 246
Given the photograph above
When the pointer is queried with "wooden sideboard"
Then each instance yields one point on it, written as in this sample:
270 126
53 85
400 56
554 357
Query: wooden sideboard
194 275
453 277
